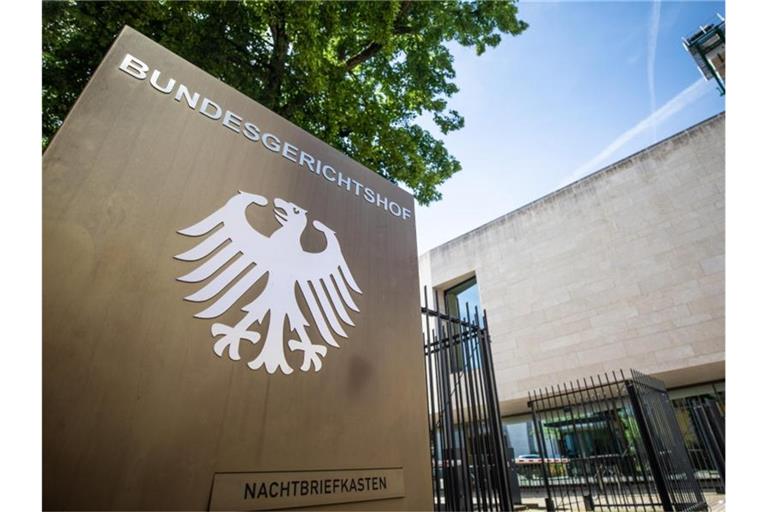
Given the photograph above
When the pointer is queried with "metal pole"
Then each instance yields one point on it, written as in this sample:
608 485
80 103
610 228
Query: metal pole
485 344
432 406
653 459
550 506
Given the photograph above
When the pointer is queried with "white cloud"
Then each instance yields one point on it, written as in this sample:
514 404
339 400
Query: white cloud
653 37
687 96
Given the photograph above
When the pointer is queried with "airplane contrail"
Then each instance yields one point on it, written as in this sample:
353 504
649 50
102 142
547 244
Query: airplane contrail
653 37
684 98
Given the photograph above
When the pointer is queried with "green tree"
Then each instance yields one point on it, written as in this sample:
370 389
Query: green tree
355 74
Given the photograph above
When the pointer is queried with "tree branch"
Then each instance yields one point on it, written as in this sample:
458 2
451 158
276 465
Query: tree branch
373 47
368 52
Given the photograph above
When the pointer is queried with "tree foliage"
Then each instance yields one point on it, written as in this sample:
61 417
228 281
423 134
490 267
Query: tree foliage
355 74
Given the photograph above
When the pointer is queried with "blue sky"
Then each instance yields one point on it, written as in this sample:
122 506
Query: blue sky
587 84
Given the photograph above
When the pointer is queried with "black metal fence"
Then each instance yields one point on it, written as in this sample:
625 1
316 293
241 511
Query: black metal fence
470 470
611 443
702 423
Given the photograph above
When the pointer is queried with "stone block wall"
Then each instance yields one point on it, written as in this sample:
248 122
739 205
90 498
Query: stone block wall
622 269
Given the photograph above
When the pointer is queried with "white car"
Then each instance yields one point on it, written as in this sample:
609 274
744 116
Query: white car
534 458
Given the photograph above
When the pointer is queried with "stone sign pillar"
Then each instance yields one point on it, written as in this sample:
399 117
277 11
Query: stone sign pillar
230 306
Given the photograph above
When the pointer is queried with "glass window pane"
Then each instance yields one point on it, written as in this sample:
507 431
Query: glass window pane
457 299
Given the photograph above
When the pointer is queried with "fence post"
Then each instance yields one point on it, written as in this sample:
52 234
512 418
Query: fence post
469 461
495 429
514 486
653 459
710 441
538 430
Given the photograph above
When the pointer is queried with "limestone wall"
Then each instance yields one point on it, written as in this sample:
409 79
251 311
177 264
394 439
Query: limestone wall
622 269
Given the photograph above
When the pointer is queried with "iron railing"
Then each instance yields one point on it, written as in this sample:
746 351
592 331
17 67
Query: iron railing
469 464
702 422
611 442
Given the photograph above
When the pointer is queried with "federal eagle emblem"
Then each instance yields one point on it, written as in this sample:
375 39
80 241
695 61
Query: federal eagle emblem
323 279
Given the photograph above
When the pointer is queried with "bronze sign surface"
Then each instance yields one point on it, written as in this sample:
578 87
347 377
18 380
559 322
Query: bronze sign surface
226 299
270 491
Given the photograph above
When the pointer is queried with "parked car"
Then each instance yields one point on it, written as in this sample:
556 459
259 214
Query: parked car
535 458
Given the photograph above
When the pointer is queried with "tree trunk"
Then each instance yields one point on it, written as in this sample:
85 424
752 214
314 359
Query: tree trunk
276 65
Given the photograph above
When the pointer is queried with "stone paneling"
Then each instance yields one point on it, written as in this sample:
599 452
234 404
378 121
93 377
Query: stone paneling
622 269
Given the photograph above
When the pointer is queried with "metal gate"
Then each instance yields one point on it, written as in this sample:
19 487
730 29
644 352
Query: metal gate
612 443
469 465
702 422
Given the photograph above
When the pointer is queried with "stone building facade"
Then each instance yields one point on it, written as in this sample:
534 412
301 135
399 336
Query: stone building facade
621 269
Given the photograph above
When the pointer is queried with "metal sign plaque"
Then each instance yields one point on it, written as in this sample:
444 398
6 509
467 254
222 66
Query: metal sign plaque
223 294
270 491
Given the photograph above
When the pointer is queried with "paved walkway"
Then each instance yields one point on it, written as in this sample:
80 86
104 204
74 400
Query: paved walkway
716 503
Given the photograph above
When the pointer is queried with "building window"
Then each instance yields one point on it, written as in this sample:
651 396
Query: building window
462 295
521 436
457 299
